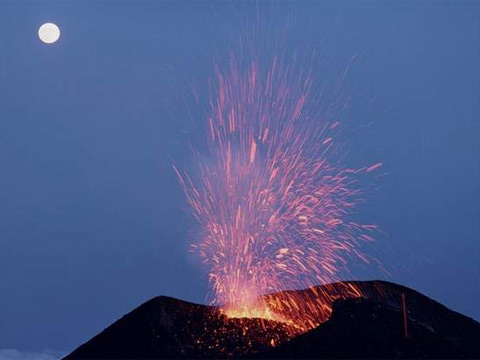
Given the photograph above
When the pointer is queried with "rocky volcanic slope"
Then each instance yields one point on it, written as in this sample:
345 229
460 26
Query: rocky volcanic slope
363 328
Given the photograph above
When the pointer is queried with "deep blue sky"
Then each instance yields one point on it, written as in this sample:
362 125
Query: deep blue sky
92 219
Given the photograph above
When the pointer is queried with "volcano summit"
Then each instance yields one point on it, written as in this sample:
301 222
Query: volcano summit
387 321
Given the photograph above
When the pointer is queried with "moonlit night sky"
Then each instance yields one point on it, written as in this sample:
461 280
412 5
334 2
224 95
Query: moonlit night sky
92 218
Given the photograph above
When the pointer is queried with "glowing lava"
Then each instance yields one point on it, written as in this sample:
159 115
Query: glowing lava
249 311
271 194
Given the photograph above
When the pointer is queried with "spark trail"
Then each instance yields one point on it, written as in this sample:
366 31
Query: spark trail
271 195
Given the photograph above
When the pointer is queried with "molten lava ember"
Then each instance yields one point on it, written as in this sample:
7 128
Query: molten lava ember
271 193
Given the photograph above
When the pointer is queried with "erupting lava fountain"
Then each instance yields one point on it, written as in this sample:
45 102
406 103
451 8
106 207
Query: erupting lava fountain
271 195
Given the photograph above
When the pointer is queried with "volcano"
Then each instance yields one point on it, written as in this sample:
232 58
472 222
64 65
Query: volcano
387 321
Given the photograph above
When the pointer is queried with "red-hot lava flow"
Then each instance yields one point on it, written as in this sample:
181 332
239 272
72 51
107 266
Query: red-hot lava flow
272 196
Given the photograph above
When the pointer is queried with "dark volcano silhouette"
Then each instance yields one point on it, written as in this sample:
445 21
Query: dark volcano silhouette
363 328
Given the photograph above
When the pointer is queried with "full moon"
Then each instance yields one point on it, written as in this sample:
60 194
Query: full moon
49 33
